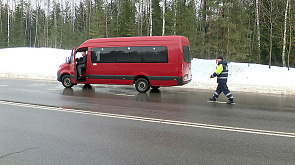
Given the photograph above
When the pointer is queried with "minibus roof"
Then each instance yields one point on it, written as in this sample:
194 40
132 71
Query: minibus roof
134 41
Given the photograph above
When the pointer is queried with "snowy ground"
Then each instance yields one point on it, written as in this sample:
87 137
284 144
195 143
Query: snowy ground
42 63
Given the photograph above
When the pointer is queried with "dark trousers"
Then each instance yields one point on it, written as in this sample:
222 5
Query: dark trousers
79 68
222 87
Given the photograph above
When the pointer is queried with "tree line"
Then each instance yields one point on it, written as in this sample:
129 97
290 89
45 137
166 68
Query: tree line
255 31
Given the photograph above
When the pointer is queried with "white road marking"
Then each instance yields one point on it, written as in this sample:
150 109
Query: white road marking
153 120
124 95
220 102
3 85
53 89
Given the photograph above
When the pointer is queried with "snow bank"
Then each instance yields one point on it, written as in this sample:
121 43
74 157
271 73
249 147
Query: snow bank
31 63
42 63
245 77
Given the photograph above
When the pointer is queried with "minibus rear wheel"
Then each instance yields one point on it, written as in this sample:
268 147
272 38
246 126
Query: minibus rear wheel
66 81
142 85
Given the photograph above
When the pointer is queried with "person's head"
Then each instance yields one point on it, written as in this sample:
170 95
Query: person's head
219 58
84 53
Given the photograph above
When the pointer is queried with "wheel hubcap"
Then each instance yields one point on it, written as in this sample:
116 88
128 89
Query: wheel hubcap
142 86
67 82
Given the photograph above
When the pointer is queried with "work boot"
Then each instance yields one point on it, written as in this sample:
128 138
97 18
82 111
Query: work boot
230 101
212 98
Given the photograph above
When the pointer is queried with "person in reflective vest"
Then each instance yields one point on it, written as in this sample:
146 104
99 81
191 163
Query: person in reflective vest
222 75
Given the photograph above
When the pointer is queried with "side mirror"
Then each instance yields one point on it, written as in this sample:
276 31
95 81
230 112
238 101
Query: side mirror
68 60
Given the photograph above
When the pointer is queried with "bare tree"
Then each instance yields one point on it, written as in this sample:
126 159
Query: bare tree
88 15
290 44
8 23
175 16
47 24
164 10
106 18
62 24
1 26
271 32
37 19
209 30
285 34
290 47
204 15
55 22
140 12
28 13
73 15
258 5
151 18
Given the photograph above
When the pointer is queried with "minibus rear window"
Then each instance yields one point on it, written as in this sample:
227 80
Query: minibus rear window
186 54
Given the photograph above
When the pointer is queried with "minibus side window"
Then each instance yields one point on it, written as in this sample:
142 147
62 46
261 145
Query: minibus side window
95 56
128 55
186 54
155 54
103 55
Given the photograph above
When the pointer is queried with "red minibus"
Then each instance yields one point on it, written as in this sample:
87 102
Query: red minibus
147 62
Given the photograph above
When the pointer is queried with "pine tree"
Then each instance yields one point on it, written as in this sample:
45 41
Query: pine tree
17 28
98 21
238 45
157 18
81 28
272 14
3 25
68 31
127 24
113 15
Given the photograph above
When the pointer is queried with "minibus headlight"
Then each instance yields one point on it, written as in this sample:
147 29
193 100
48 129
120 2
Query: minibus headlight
185 77
59 68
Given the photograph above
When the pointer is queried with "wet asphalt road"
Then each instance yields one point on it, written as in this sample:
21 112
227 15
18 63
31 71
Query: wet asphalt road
41 136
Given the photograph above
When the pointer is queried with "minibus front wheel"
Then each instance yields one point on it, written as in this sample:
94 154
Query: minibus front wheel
142 85
66 81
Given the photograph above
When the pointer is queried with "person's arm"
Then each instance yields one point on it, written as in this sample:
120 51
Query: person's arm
219 69
83 61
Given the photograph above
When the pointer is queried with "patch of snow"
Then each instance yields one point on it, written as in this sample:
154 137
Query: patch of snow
31 63
245 77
